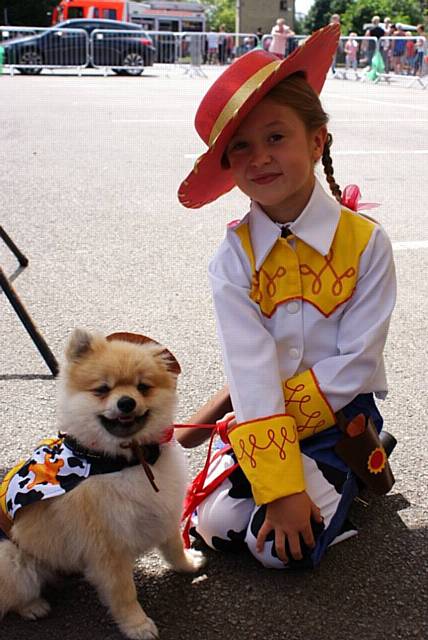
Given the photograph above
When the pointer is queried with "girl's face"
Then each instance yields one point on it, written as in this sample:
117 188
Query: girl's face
272 158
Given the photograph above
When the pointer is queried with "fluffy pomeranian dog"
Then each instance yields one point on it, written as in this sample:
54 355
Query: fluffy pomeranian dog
107 490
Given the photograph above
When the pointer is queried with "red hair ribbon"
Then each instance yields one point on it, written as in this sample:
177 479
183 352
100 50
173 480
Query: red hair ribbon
351 199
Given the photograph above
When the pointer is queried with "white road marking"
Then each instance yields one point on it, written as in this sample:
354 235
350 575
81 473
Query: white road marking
384 103
341 120
357 152
381 152
368 121
410 244
155 121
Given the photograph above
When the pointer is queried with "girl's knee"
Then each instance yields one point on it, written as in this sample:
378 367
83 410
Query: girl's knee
267 557
222 521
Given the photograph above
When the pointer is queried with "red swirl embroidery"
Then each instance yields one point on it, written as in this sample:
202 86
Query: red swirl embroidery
300 402
317 284
271 285
252 439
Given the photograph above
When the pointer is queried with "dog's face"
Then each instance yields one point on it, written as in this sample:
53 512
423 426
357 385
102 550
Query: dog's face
112 392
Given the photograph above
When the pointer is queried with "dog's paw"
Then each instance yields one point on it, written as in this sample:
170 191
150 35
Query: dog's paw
37 608
145 631
193 561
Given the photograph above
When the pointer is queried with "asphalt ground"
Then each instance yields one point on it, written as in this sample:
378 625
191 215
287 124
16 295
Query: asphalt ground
89 171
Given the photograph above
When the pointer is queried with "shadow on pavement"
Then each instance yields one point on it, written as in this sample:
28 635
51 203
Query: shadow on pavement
367 588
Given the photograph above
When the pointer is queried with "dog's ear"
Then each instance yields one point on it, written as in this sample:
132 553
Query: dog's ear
79 344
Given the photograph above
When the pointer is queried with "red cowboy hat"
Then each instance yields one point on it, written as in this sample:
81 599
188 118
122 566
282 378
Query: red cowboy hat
234 94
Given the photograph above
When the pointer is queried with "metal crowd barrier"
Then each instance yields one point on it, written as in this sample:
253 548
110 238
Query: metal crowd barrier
31 50
166 44
352 62
123 51
400 59
213 48
8 33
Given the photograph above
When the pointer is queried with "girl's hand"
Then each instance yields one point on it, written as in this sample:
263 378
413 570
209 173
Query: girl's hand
289 517
232 420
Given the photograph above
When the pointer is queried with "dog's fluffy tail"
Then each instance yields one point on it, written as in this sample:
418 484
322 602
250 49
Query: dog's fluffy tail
21 581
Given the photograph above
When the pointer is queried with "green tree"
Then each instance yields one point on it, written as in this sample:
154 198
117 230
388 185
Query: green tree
220 12
321 11
361 12
355 13
27 12
318 15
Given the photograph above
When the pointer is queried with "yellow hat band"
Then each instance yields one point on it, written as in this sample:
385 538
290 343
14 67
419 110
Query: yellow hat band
231 109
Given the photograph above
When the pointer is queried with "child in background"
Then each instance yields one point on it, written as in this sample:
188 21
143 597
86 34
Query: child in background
303 291
351 51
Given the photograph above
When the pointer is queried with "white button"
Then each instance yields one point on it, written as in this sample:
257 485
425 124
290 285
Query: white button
293 307
294 353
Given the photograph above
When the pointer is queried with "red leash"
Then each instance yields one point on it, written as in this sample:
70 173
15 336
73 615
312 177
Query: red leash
196 491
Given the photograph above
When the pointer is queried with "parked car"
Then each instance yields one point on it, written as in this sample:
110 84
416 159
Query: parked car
124 44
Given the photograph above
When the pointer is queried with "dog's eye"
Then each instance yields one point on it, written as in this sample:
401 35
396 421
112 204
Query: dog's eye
102 390
143 387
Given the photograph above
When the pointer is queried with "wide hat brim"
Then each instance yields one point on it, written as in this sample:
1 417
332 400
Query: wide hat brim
208 180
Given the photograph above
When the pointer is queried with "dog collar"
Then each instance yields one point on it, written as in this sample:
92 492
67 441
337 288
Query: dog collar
143 454
102 463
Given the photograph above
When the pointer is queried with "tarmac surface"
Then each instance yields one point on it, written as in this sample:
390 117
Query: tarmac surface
90 169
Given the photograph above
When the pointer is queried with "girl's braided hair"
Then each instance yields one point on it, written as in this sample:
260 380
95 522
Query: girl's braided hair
295 92
328 169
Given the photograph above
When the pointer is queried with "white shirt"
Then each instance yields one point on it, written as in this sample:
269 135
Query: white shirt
212 40
344 350
279 39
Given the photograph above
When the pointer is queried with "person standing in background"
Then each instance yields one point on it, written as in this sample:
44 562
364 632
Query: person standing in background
399 49
409 59
212 42
222 44
377 32
335 19
279 34
420 50
386 45
351 52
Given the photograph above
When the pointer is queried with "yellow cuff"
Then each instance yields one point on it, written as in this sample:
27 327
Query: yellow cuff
305 401
268 452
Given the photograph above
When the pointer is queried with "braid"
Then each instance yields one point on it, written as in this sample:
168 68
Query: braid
328 169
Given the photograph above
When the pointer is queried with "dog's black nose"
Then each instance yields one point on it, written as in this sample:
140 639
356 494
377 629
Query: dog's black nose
126 404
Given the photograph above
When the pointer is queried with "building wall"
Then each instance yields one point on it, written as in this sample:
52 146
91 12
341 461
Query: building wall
251 14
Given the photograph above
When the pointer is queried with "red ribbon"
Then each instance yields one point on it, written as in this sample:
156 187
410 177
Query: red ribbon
351 199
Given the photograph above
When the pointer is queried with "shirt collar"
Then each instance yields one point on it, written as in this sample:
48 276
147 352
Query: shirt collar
315 226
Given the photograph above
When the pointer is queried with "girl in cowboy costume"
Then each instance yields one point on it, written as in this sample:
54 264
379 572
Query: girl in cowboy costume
303 288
